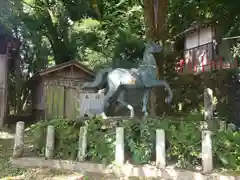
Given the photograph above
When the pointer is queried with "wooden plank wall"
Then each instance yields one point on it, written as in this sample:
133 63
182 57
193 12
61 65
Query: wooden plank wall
70 103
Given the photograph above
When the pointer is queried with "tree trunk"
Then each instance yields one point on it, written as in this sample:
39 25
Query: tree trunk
94 4
59 42
61 52
156 31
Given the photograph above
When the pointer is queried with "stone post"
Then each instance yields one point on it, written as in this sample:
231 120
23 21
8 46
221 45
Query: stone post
49 151
222 125
82 143
231 127
207 159
119 147
160 148
208 106
18 147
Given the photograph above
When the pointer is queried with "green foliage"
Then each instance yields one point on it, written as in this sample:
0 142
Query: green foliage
226 148
60 30
66 137
100 142
183 140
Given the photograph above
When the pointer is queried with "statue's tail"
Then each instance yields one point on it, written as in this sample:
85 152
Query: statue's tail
99 79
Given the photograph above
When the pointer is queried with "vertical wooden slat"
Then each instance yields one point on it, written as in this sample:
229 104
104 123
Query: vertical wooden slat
55 105
49 102
55 94
45 91
61 102
81 98
71 94
52 101
67 104
71 103
75 103
71 99
56 101
78 103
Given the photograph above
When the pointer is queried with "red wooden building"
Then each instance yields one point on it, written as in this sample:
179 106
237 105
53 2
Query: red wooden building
205 49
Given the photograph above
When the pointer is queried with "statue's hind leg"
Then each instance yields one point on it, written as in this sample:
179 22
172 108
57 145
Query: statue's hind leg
111 91
120 99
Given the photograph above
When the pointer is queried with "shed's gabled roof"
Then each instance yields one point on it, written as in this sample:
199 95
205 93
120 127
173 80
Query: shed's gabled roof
65 65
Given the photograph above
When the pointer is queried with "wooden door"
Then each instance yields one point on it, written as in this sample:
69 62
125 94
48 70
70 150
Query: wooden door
54 102
71 103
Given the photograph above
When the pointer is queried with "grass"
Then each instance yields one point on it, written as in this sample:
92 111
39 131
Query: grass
5 153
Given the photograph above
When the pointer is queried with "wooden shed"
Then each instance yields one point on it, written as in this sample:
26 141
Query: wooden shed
56 90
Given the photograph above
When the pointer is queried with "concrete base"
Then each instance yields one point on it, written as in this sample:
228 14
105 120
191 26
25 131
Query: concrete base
126 170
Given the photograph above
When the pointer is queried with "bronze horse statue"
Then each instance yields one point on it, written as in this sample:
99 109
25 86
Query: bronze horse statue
118 81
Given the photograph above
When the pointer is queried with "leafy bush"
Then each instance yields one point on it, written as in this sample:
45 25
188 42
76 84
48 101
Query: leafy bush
226 149
66 137
183 140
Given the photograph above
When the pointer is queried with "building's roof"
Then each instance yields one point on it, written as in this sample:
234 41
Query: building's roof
195 26
65 65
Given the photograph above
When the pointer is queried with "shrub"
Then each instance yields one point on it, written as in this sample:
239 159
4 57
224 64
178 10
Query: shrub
226 149
183 138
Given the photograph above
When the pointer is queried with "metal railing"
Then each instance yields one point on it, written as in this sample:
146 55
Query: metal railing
213 65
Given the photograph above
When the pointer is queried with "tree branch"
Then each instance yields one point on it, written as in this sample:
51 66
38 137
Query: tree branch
30 5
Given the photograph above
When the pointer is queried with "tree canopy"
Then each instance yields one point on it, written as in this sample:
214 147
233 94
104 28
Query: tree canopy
101 33
96 31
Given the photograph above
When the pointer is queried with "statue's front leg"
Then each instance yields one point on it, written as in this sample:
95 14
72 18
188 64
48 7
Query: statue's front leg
145 101
170 93
147 80
155 83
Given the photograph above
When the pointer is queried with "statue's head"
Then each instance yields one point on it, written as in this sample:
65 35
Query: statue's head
148 58
152 47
